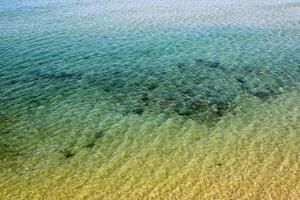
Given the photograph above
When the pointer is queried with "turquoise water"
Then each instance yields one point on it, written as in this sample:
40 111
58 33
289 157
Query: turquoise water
163 69
76 69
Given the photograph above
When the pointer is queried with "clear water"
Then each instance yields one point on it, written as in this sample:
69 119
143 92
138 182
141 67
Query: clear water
151 99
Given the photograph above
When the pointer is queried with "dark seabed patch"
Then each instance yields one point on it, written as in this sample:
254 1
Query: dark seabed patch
203 90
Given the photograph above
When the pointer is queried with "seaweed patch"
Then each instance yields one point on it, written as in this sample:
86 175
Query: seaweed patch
67 153
202 90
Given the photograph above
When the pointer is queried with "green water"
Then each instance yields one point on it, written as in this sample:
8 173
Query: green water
72 71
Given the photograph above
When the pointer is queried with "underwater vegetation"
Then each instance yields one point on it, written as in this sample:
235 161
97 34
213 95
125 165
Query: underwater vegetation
202 90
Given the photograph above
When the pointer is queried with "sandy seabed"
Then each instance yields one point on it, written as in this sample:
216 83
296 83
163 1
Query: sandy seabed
252 153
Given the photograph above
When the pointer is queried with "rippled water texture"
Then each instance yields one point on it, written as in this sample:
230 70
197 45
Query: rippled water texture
149 99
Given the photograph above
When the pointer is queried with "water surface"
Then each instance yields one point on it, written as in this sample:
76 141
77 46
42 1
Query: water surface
150 99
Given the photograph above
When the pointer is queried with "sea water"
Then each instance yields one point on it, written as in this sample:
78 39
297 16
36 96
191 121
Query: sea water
150 99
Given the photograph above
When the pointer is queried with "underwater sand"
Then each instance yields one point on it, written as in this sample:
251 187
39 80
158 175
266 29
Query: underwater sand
150 99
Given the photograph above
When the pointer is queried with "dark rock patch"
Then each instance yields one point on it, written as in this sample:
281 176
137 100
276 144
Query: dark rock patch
99 134
139 110
96 136
203 90
240 80
90 144
67 153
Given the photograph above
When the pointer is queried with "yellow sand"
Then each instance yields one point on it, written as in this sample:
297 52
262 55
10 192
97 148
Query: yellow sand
252 153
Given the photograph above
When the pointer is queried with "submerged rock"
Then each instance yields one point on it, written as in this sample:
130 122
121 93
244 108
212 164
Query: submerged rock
201 89
67 153
90 145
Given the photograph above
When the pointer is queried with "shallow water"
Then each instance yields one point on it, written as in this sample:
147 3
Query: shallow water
149 100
